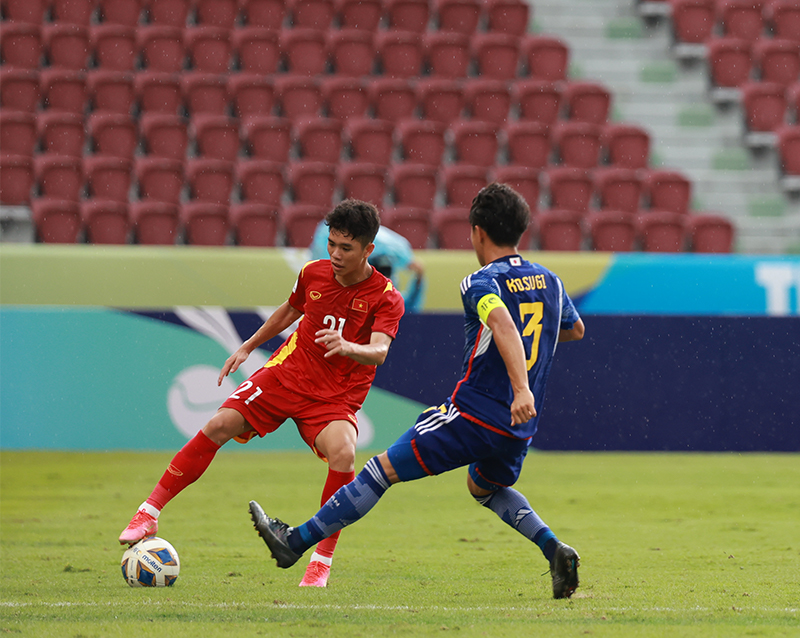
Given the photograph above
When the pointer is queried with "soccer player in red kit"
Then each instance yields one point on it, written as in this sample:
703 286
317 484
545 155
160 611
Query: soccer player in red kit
319 377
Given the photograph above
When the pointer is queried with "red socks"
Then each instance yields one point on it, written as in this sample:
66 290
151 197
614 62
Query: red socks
187 466
332 484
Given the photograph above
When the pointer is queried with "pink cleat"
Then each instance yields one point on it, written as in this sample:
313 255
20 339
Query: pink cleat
141 526
316 574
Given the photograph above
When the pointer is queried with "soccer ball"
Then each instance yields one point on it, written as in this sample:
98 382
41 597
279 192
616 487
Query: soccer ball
152 562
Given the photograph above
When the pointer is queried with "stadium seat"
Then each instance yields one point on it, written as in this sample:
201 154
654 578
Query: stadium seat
460 16
158 92
300 221
783 17
159 179
351 52
577 143
661 231
216 136
304 51
569 188
164 135
260 182
414 184
729 62
216 13
105 222
369 140
560 230
710 233
741 19
408 15
545 57
114 47
113 134
18 132
16 179
475 142
311 14
488 100
251 94
66 45
19 89
789 150
269 14
392 99
61 133
764 106
618 188
537 100
411 222
344 97
209 48
451 227
64 90
318 139
447 54
364 15
611 230
528 143
360 180
108 178
205 223
400 53
777 60
254 224
627 145
461 183
210 180
154 223
256 49
421 141
111 91
268 137
21 45
167 13
524 180
56 220
439 99
312 182
496 55
693 21
26 11
587 102
59 176
511 17
78 12
793 101
298 96
123 12
668 190
204 93
161 47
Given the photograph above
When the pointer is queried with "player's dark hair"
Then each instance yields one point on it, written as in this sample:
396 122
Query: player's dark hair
502 212
356 219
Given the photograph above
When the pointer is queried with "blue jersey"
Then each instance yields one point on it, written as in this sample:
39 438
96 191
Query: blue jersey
540 308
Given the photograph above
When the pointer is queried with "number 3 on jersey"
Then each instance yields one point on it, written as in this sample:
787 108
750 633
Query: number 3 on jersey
534 327
243 388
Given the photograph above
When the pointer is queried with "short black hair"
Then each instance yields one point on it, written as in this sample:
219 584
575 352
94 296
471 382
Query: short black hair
356 219
502 212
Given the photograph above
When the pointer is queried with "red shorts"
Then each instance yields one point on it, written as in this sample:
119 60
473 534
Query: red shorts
265 404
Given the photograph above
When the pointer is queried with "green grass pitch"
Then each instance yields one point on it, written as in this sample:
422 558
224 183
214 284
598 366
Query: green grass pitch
671 545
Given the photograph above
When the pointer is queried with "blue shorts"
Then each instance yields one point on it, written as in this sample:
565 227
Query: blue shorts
443 440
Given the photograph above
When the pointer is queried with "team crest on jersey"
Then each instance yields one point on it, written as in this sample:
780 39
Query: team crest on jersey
515 261
314 294
360 305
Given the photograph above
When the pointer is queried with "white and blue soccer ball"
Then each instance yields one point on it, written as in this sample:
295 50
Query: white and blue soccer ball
152 562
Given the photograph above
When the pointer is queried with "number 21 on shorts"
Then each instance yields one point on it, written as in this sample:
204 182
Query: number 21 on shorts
244 388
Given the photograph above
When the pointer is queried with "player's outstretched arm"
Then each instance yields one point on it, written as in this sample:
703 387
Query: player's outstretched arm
369 354
573 334
281 319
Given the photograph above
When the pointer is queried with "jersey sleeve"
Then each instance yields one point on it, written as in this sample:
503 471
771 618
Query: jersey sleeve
297 299
475 287
390 311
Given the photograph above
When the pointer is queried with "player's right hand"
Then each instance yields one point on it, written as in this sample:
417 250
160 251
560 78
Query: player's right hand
233 363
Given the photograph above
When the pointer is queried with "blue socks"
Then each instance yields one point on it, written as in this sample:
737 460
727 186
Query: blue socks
513 508
346 506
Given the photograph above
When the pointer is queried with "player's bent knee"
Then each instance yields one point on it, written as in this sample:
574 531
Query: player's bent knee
225 425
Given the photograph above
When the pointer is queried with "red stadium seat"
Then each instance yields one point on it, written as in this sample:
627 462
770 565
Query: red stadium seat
154 223
546 57
511 17
560 230
461 16
569 188
475 142
627 145
497 55
488 100
304 51
269 14
108 178
367 182
777 60
408 15
261 181
209 48
741 19
359 14
668 190
210 180
257 49
312 14
538 100
298 96
414 184
59 176
158 92
447 53
789 150
254 224
783 17
61 133
351 52
422 141
661 231
319 139
161 48
392 99
618 188
370 140
764 105
217 136
528 143
64 90
693 21
729 62
21 45
344 97
164 135
524 180
205 223
113 134
72 11
312 182
216 13
159 179
106 222
111 91
400 53
27 11
439 99
268 137
587 102
451 227
461 183
204 93
411 222
251 94
611 230
710 233
114 47
167 13
300 221
577 143
16 179
122 12
66 45
57 220
19 89
18 132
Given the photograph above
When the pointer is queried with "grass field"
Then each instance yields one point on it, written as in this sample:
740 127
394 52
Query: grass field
671 545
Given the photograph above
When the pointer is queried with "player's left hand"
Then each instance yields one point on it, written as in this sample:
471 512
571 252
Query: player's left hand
523 408
334 342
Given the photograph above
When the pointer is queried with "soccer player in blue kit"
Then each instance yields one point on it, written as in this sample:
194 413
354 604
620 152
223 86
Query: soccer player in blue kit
515 314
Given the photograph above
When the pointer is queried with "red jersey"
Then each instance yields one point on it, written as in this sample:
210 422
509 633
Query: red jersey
357 311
